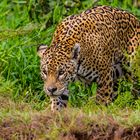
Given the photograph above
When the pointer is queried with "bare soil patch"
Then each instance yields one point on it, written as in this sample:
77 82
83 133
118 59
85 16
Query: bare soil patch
51 126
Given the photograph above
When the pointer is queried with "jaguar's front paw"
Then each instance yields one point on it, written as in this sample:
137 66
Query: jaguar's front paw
57 104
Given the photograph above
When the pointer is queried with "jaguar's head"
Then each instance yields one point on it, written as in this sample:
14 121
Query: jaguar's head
58 67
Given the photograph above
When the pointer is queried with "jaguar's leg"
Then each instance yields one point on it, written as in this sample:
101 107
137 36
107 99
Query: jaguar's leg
59 102
105 91
131 77
133 57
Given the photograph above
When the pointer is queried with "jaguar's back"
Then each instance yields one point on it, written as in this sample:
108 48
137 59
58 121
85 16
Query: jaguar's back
91 46
110 28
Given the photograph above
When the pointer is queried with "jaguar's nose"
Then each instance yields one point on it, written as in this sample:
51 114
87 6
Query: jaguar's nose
52 89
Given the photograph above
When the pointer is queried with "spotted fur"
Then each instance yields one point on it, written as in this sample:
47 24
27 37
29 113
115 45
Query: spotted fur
90 46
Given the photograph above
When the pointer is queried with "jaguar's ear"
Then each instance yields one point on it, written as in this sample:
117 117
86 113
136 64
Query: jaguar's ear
76 51
41 49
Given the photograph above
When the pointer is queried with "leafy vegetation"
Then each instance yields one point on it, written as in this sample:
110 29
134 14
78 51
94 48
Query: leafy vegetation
24 25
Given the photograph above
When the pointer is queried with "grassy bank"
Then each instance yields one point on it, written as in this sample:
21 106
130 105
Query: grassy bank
20 121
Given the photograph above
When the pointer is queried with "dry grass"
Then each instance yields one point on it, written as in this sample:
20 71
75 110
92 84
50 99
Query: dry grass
19 121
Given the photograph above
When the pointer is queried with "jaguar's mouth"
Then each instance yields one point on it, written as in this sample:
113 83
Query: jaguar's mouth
66 91
60 93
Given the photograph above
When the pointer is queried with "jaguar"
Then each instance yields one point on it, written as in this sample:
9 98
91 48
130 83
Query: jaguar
92 46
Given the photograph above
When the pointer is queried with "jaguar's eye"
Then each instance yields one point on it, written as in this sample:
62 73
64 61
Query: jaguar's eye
61 72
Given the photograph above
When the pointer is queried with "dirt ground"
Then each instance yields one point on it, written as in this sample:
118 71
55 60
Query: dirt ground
48 127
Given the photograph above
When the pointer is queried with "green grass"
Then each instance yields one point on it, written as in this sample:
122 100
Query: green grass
23 26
